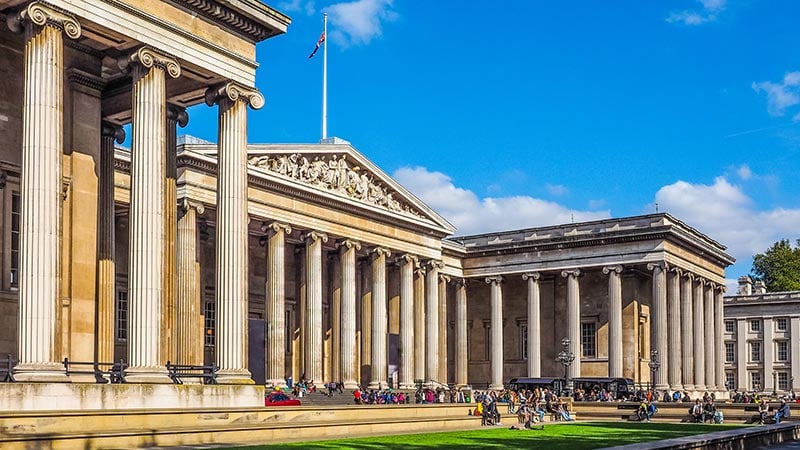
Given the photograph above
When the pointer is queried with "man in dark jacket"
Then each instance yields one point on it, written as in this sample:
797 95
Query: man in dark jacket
783 411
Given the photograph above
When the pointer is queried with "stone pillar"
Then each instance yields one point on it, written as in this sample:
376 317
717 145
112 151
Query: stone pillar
407 264
188 336
347 255
275 313
574 319
741 356
40 188
379 360
673 355
496 352
708 340
146 267
432 322
534 325
699 337
658 314
443 281
687 332
231 233
312 329
106 292
614 320
719 339
419 323
767 353
461 333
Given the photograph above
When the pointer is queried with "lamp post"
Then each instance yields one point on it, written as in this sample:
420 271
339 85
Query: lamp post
654 365
566 357
774 383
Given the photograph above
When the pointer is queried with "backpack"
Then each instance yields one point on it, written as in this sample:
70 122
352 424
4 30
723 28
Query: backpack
718 417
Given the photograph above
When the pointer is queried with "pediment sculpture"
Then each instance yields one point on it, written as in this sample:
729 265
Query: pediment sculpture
333 173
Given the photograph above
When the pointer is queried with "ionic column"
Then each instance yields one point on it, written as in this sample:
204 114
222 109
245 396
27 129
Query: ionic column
534 325
380 319
231 236
407 264
699 337
687 332
443 280
313 325
432 322
146 267
614 320
419 323
708 315
347 255
461 333
574 319
275 313
719 338
496 342
659 321
40 189
188 336
106 293
673 355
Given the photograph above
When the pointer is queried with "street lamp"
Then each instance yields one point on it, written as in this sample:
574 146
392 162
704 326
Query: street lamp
774 382
566 357
654 365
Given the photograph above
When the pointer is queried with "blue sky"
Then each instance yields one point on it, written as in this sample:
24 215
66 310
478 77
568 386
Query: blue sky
524 113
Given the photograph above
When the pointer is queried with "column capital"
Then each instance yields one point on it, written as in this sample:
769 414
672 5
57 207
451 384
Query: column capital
535 276
113 130
148 57
408 258
662 265
444 278
315 236
689 275
434 264
496 279
616 268
460 281
275 227
676 270
187 204
233 91
348 244
41 14
177 114
381 251
571 273
420 271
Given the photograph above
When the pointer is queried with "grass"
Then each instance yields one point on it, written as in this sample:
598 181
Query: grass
578 436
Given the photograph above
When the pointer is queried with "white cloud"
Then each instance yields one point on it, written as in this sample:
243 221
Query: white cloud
556 189
726 214
744 172
781 96
358 22
471 214
708 13
297 6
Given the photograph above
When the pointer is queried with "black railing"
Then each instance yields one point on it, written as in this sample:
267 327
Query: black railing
103 372
177 372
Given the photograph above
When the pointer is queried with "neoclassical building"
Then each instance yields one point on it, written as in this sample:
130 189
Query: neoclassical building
277 262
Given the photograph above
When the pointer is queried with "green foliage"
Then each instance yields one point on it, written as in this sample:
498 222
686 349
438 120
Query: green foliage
573 436
779 266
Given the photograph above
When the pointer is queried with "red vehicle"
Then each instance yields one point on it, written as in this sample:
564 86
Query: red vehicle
280 399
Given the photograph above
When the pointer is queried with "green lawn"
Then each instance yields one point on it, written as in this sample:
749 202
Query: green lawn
578 436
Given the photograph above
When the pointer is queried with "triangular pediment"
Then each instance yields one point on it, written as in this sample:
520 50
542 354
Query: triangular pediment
339 170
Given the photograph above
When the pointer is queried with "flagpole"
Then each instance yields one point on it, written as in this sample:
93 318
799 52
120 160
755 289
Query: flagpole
325 76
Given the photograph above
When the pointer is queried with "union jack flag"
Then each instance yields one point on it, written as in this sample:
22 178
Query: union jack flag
319 43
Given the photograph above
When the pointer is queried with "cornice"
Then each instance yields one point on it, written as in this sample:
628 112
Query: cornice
219 13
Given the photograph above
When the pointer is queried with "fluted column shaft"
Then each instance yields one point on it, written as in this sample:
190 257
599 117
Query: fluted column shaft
534 324
40 188
406 379
461 333
275 314
719 339
443 281
659 322
673 355
710 360
699 337
347 252
188 336
231 233
380 319
419 324
496 341
687 332
432 322
106 292
574 319
313 325
614 320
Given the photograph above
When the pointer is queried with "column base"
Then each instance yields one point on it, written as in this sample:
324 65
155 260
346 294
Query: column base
496 387
41 373
407 386
676 387
352 384
662 387
147 375
688 387
234 376
277 382
378 385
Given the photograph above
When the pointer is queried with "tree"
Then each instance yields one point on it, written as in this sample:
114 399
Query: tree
779 266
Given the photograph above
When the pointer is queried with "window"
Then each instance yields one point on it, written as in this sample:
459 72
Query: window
755 352
589 339
755 381
15 204
730 326
755 325
730 381
783 381
782 352
781 324
122 315
523 340
210 323
730 352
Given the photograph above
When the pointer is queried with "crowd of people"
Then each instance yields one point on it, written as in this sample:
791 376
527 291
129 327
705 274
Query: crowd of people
530 406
